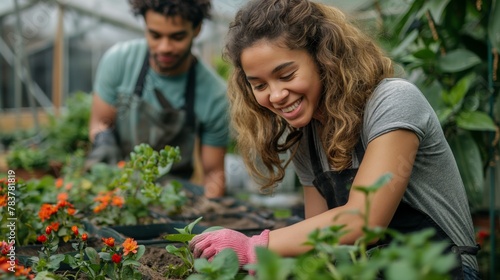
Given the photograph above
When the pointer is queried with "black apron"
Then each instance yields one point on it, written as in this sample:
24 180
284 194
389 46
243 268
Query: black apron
334 186
140 122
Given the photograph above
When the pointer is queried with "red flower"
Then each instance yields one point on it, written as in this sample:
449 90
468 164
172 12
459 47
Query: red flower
42 238
116 258
129 246
121 164
5 248
110 242
483 234
75 230
85 237
48 230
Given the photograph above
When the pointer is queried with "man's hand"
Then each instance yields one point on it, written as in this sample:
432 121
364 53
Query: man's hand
104 149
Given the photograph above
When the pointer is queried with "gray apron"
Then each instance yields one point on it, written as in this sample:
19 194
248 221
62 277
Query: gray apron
334 187
139 122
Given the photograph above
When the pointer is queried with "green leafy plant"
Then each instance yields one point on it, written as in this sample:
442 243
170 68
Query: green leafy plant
413 255
28 158
128 198
224 266
48 258
182 251
113 262
449 49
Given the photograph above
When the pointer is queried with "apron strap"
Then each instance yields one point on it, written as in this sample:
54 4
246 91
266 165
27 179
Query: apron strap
313 152
190 93
189 88
139 85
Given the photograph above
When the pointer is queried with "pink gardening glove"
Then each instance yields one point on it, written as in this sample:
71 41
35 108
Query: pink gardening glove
209 244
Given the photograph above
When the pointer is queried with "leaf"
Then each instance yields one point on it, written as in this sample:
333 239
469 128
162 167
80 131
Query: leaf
425 54
468 158
177 237
401 270
436 8
227 263
140 252
131 262
444 115
405 43
458 60
494 25
457 93
382 181
271 267
92 255
475 121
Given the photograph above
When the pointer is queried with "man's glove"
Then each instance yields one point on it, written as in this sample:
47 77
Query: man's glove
209 244
104 150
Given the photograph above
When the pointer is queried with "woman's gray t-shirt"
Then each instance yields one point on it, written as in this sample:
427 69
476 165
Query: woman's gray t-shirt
435 185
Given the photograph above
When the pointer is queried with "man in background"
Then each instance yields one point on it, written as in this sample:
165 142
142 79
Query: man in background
154 90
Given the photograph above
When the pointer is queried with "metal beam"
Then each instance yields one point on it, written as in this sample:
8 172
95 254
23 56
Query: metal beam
101 16
36 91
22 7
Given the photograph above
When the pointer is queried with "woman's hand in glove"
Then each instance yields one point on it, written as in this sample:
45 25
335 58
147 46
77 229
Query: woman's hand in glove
209 244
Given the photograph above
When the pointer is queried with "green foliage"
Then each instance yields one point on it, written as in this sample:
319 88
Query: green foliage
136 184
28 158
444 48
408 256
224 266
183 237
112 262
69 132
48 259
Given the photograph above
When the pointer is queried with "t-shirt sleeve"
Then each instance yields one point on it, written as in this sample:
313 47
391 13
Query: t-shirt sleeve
215 131
108 76
396 104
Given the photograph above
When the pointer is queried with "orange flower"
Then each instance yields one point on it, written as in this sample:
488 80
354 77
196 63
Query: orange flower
3 200
68 186
71 211
110 242
59 182
46 211
99 208
85 237
129 246
54 226
74 229
121 164
117 201
62 196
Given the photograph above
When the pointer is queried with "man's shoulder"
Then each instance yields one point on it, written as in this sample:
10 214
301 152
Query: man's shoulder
207 75
128 48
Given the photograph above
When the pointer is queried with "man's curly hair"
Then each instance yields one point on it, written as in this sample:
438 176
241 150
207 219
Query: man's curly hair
192 10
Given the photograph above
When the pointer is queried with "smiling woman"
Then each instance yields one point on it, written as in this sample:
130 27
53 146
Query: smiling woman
284 81
309 82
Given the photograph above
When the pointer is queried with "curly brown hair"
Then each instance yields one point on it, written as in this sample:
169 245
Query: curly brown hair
350 66
192 10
